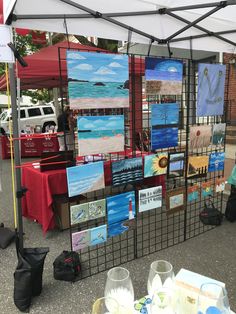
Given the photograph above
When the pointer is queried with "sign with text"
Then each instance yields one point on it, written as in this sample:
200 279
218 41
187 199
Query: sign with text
6 54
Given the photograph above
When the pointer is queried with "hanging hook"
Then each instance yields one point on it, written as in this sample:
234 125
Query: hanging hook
67 34
129 39
169 51
150 46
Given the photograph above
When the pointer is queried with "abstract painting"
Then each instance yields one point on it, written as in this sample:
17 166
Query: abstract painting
216 161
207 189
79 213
197 166
97 80
155 165
120 208
97 209
175 200
127 170
200 136
193 193
211 84
176 165
85 178
163 76
150 198
220 185
100 134
218 134
80 240
98 235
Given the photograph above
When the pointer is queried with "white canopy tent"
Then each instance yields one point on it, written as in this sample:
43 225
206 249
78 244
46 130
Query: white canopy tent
210 25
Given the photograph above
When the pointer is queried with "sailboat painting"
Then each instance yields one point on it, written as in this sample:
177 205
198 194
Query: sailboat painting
98 235
80 240
127 170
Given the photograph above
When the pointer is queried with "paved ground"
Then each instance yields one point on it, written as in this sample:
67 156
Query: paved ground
212 254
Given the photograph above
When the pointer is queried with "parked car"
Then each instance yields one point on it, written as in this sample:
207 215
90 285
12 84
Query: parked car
33 116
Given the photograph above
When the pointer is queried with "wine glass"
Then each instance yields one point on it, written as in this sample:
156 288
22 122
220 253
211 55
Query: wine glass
119 286
213 299
105 306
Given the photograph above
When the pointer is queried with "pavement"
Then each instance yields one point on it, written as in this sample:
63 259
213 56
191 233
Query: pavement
212 254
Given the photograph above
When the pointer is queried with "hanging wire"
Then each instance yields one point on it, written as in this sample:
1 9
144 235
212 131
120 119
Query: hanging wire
67 34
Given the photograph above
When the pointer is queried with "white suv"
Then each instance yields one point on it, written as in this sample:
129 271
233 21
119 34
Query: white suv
34 116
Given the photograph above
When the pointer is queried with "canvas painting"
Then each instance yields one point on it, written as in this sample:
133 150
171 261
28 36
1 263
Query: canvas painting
193 193
120 208
200 136
220 185
176 165
216 161
211 84
97 209
150 198
218 134
100 134
155 165
175 200
164 138
197 166
80 240
97 80
207 189
79 213
85 178
163 76
127 170
98 235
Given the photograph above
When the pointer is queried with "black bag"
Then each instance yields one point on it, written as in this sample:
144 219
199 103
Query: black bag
211 215
230 211
67 266
6 236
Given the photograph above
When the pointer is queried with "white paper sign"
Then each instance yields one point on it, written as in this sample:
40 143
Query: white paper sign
150 198
6 54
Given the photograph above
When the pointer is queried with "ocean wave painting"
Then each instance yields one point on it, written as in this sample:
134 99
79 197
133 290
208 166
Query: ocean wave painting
127 170
164 138
216 161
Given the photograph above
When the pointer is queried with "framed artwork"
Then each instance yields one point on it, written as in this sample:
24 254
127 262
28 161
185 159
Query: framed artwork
100 134
97 80
150 198
127 170
207 189
163 76
197 166
193 193
218 134
155 165
98 235
80 240
175 200
200 136
97 209
120 208
79 213
176 164
85 178
220 185
216 161
211 84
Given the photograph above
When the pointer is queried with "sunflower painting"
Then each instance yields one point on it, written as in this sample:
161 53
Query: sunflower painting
155 165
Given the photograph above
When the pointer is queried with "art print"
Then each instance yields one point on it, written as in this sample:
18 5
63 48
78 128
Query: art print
176 165
80 240
197 166
98 235
216 161
97 80
85 178
150 198
175 200
79 213
200 136
211 84
220 185
163 76
193 193
207 189
100 134
120 208
155 165
97 209
127 170
218 134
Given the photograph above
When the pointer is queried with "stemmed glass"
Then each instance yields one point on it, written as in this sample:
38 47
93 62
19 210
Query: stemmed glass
119 287
213 299
105 306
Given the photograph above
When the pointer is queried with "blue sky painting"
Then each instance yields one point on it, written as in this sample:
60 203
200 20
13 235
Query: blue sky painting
211 84
216 161
164 114
163 69
85 178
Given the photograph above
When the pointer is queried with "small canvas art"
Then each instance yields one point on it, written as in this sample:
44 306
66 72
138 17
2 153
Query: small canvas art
193 193
163 76
207 189
80 240
127 170
150 198
98 235
176 165
164 138
155 165
97 80
79 213
218 134
211 84
216 161
220 185
97 209
100 134
120 208
197 166
85 178
175 200
200 136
